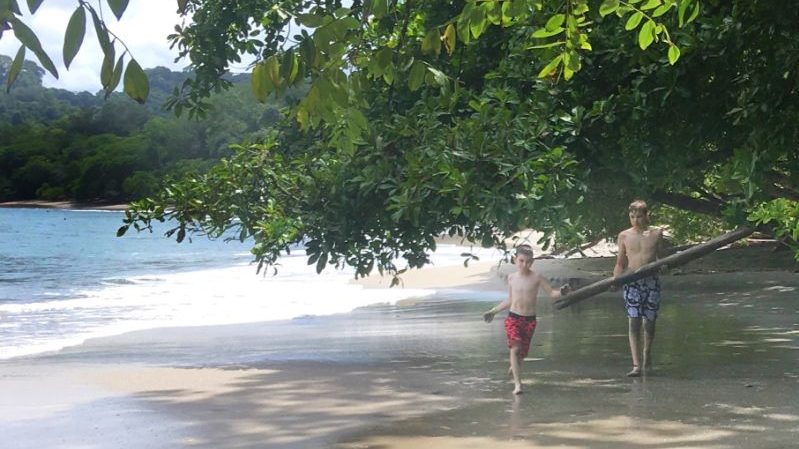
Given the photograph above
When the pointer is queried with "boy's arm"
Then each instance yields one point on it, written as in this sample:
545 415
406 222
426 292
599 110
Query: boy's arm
621 258
660 250
489 316
551 291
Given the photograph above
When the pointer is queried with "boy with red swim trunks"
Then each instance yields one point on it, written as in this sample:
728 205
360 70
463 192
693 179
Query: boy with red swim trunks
520 324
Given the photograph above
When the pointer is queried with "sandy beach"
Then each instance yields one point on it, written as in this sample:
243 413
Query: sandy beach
430 373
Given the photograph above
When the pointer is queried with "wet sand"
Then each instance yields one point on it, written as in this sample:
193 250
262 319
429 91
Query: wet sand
432 374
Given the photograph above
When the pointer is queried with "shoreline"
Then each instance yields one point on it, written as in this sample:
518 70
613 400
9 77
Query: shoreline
757 257
68 205
430 372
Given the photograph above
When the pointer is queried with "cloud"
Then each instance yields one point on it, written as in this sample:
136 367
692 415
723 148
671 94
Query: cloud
144 29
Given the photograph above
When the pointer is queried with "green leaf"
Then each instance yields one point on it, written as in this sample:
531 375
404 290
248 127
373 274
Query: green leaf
477 24
321 263
16 67
584 44
547 45
674 54
493 12
646 35
287 66
462 31
512 10
29 39
684 4
312 20
567 73
136 84
388 74
272 66
182 6
118 7
449 38
116 76
432 42
122 230
551 67
33 5
694 13
260 82
416 77
662 9
634 21
296 68
542 33
608 7
107 70
73 38
555 22
102 34
651 4
384 58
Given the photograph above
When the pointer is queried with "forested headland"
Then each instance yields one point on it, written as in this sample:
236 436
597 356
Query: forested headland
62 145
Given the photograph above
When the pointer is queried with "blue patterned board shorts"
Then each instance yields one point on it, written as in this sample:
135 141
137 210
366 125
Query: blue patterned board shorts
642 298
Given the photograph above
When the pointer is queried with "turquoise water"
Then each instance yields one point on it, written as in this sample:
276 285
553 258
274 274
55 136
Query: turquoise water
66 277
53 253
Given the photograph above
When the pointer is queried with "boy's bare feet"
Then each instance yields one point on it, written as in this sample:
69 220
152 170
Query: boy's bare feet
518 389
636 372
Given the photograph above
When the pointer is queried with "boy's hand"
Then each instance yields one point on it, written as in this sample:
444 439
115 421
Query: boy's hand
489 316
565 289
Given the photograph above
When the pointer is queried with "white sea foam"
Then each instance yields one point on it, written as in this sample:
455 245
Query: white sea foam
204 297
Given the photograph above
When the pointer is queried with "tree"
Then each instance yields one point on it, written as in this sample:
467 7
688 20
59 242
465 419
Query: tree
481 146
425 117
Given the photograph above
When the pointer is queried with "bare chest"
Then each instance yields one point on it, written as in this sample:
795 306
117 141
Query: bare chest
525 288
641 243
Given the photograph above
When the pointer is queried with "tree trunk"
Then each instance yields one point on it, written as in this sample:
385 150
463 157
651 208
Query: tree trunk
649 269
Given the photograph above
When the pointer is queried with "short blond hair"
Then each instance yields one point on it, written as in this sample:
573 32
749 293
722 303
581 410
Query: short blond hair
638 206
524 250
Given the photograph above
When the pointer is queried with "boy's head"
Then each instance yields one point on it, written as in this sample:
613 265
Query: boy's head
639 214
524 257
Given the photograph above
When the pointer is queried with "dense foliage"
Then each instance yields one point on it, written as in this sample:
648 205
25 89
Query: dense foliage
425 117
59 145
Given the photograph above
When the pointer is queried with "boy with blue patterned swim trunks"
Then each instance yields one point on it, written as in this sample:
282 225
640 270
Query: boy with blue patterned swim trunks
638 246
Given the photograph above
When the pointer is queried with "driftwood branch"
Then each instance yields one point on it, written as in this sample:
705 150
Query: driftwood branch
649 269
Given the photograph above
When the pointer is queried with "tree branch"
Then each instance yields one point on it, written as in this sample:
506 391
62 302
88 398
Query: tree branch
680 201
650 269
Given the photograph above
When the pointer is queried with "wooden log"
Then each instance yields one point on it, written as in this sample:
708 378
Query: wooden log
652 268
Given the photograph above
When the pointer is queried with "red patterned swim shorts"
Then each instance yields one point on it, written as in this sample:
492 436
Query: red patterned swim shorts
520 331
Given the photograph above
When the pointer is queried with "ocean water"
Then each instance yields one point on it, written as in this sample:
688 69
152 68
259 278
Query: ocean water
66 277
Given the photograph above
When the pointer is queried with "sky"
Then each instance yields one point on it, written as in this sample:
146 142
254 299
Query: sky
144 28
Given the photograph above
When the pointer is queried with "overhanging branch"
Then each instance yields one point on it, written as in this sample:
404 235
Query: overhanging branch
699 205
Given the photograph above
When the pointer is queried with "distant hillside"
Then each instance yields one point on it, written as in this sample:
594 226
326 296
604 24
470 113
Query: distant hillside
60 145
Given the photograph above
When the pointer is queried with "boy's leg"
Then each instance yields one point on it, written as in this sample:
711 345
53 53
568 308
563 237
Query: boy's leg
650 312
634 333
515 364
649 337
